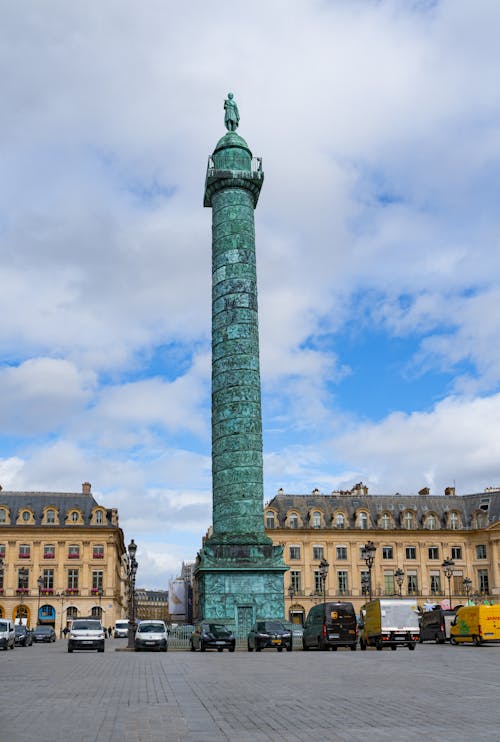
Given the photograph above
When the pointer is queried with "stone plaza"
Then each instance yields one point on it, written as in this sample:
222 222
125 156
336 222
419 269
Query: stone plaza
435 693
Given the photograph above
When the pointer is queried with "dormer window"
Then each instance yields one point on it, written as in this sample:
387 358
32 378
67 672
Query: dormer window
363 521
386 522
316 519
269 519
454 521
431 522
408 521
340 520
3 515
99 517
26 516
294 520
74 516
51 516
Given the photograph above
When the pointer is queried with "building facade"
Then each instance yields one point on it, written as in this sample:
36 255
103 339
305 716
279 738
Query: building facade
413 535
152 604
63 556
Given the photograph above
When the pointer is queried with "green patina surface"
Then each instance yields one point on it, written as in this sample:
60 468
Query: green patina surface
240 572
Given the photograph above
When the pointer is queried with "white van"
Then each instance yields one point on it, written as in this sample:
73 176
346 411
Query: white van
7 633
121 629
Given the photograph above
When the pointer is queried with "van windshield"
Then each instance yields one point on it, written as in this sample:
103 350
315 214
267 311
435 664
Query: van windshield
3 626
151 628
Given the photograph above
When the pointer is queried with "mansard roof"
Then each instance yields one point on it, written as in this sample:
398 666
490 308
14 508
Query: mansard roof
467 506
61 501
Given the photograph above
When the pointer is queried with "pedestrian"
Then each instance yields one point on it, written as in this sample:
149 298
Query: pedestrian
65 631
110 631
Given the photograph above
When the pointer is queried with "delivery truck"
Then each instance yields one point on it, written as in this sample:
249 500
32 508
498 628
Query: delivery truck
479 624
389 623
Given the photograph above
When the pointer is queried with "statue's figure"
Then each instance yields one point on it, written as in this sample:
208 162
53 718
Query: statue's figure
232 115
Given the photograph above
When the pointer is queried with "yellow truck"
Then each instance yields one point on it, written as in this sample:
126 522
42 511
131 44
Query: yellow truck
479 624
389 623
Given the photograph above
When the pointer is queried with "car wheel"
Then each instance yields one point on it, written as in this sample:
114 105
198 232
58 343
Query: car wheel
322 646
305 648
477 641
280 649
453 641
353 647
70 649
220 649
378 646
411 647
232 648
393 648
334 649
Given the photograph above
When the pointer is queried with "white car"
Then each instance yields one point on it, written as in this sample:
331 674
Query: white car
151 635
86 633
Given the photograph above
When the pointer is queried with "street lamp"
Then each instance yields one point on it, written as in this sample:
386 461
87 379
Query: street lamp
131 573
467 583
39 582
399 575
323 572
99 593
447 566
369 550
61 595
291 593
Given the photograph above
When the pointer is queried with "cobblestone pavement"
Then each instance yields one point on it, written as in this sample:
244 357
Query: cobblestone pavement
434 693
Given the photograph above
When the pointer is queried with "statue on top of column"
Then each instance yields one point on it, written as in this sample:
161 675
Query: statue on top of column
232 115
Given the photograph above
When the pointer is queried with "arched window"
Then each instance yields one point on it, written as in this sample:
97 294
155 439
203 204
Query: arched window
431 522
454 521
74 516
3 515
294 520
316 519
269 519
96 612
409 520
98 517
26 515
51 516
71 612
363 521
386 521
340 520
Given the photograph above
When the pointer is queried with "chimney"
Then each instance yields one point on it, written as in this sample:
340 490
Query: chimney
424 491
449 491
86 488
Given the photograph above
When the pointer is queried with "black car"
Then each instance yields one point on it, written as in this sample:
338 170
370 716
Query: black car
23 637
271 634
44 634
212 636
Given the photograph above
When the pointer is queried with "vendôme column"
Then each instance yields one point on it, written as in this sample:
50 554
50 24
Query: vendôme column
238 563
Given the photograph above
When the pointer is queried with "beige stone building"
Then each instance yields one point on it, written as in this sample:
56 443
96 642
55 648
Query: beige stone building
152 604
413 535
63 556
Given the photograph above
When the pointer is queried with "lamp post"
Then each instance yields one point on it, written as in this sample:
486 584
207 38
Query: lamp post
323 572
399 575
369 550
61 595
131 573
99 593
291 593
467 583
447 566
39 582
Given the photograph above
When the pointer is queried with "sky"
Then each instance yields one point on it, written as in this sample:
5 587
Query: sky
377 237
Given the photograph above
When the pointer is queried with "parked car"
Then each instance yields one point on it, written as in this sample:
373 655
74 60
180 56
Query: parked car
23 636
44 634
212 636
86 633
151 635
270 634
330 625
435 625
7 633
121 629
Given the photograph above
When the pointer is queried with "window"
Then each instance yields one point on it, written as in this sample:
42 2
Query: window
481 551
435 584
294 520
458 583
340 520
318 552
97 580
24 551
483 581
72 612
98 551
23 578
269 519
26 516
74 552
48 579
456 552
342 582
409 521
412 584
96 611
294 552
386 521
316 519
389 583
99 518
318 581
3 515
2 551
454 521
411 552
296 580
387 552
481 520
363 521
431 522
74 516
49 551
341 552
51 516
72 579
433 552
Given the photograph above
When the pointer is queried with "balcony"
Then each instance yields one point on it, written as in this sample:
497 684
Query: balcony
97 555
24 555
47 591
72 591
74 555
49 555
22 590
97 590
